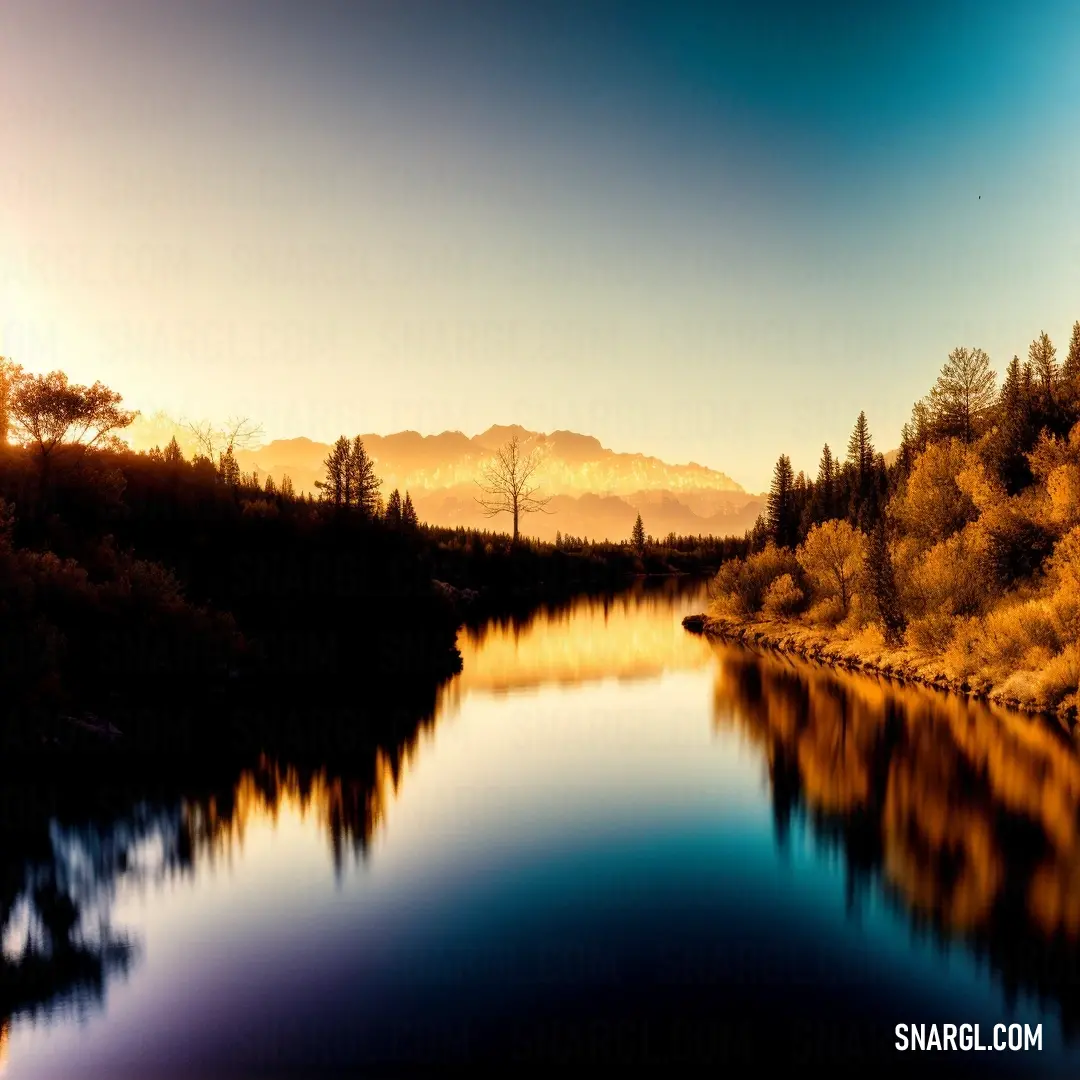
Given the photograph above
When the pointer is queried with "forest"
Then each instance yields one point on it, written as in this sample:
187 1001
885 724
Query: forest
156 578
957 563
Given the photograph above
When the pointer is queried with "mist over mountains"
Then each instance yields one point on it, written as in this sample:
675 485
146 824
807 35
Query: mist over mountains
595 492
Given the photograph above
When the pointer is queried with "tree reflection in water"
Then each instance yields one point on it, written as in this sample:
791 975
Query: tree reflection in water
68 841
967 816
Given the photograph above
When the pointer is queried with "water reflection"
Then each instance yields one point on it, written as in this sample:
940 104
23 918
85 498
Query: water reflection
636 634
69 841
614 822
968 815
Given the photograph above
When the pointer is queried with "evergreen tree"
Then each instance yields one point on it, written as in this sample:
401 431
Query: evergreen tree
172 454
861 447
861 457
825 488
393 508
637 534
882 579
782 514
964 394
361 483
408 513
270 487
228 469
1042 356
1016 427
333 486
1070 376
287 487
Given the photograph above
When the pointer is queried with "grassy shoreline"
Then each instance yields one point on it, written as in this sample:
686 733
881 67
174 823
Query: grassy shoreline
859 653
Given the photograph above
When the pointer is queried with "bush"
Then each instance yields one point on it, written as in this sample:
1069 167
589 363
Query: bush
741 584
783 598
932 634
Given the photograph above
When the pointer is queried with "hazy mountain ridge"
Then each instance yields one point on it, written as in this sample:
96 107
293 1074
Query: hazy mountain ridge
595 492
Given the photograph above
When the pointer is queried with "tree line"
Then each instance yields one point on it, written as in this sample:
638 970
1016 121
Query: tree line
964 548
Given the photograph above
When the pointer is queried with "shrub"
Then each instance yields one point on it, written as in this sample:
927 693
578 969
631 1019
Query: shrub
741 584
783 598
1059 678
931 634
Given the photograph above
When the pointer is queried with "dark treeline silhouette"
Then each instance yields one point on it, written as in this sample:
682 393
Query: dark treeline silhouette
143 576
961 556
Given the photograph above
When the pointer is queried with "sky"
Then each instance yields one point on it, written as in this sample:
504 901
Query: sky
708 232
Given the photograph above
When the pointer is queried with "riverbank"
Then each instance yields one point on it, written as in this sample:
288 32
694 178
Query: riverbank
866 653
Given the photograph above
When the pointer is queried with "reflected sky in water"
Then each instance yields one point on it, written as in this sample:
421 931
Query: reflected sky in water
612 840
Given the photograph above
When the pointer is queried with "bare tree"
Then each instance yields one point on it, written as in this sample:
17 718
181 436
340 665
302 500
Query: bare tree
239 433
506 484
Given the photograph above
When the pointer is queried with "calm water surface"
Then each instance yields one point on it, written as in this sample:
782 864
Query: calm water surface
610 840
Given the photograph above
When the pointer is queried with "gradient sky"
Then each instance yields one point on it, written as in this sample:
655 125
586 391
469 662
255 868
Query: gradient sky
708 232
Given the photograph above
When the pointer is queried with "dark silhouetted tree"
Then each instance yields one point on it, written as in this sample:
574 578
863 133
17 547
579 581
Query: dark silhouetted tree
507 484
361 483
46 410
781 508
172 454
334 485
393 508
228 469
1016 428
637 534
882 582
861 460
964 395
408 513
824 502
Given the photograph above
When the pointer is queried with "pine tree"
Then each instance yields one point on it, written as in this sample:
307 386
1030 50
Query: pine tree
826 484
861 448
270 487
1070 375
861 461
287 489
228 469
361 483
1016 427
393 508
883 584
637 534
964 394
1041 355
172 454
782 512
337 464
408 513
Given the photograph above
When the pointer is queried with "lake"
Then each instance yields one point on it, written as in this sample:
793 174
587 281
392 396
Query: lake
607 839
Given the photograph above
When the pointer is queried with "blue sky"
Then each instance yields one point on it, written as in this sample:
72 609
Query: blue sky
703 231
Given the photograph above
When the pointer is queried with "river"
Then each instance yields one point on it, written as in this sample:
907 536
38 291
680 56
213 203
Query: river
607 840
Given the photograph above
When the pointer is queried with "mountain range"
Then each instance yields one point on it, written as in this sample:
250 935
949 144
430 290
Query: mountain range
594 492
